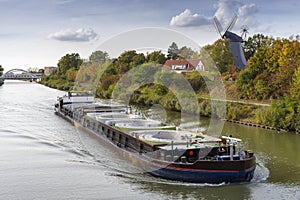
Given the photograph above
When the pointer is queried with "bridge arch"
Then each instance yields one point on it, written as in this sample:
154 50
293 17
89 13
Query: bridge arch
19 74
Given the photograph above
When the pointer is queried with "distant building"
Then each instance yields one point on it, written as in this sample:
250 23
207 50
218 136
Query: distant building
49 70
184 65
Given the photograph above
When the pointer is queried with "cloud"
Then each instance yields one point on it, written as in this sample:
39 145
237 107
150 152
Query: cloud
187 18
80 35
226 9
246 14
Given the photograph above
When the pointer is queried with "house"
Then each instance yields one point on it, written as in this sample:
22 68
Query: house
49 70
184 65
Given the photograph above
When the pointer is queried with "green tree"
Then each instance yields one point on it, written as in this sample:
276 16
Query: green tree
197 81
284 114
69 61
138 59
64 77
127 57
253 43
249 77
99 57
125 60
173 51
187 53
221 54
71 74
156 57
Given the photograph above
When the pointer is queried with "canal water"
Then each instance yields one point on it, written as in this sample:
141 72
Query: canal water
45 157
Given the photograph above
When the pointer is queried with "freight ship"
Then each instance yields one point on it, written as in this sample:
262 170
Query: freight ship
158 149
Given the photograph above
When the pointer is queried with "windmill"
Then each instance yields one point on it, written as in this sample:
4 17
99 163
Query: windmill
235 41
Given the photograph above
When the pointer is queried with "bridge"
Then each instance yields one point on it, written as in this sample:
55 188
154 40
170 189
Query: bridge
16 74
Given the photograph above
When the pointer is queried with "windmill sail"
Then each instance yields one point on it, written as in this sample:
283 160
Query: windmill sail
218 26
231 24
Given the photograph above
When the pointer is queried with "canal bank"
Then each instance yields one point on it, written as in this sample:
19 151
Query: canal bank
256 114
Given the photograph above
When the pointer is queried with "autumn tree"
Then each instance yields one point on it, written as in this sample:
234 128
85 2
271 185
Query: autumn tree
270 70
295 87
253 82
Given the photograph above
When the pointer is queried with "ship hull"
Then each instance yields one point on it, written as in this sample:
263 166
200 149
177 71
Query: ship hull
199 175
202 171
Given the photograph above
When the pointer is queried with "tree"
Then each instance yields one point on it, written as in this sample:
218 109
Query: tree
1 70
271 69
124 61
69 61
196 80
41 71
127 57
173 51
71 74
156 57
288 61
295 89
253 43
187 53
99 57
138 59
221 54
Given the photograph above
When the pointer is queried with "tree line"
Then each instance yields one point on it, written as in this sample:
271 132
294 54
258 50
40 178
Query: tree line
272 74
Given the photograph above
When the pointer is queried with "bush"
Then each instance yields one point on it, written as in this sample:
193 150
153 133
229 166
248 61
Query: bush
236 111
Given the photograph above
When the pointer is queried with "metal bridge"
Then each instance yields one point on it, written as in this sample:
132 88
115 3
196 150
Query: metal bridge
21 74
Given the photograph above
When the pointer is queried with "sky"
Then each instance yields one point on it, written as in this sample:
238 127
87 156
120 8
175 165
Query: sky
36 33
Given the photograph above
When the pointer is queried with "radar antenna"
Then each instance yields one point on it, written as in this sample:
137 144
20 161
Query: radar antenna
244 31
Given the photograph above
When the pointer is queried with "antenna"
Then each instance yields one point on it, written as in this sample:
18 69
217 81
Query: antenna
244 31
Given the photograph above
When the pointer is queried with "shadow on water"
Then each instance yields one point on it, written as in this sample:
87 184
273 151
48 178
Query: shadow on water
179 190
